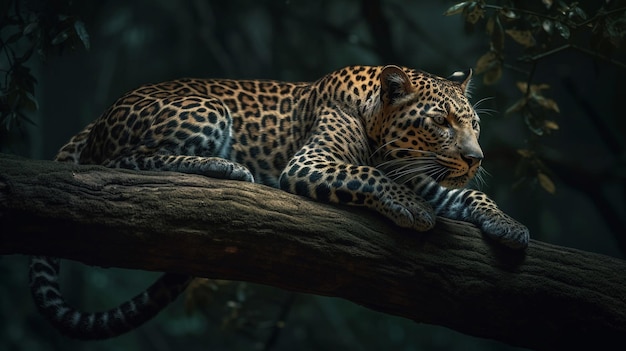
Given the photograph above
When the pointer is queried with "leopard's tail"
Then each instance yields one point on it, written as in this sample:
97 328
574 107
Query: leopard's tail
44 285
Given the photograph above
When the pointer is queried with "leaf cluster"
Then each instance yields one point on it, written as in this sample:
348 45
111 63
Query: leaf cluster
27 29
532 31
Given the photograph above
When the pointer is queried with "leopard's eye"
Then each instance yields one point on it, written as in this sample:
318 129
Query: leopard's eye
441 120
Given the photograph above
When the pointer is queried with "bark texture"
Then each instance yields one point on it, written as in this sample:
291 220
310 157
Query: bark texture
548 297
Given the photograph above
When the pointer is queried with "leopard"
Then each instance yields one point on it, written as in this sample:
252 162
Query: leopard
399 141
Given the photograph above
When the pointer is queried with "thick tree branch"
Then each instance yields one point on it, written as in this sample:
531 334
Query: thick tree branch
549 297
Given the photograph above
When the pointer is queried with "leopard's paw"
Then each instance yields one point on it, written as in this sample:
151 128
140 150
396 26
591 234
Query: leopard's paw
225 169
505 230
417 215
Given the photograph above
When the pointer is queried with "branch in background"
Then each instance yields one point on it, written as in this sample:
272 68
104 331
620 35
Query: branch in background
380 29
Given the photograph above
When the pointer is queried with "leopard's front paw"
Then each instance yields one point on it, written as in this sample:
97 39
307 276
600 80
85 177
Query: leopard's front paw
505 230
409 214
495 224
225 169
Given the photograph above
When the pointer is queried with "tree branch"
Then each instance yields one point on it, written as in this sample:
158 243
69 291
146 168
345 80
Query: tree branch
549 297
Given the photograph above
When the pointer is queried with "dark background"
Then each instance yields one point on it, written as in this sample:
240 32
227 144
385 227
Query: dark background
132 43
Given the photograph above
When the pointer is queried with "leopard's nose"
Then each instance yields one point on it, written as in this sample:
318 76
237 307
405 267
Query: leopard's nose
472 159
472 155
470 150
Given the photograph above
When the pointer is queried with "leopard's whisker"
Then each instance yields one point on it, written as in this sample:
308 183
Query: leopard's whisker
409 160
481 101
479 178
381 147
425 170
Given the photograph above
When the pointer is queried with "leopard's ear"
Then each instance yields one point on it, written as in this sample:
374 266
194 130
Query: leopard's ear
464 79
395 85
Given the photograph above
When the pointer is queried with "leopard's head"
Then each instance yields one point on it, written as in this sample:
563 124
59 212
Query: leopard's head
426 125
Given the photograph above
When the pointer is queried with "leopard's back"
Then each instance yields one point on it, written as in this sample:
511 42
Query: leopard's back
181 117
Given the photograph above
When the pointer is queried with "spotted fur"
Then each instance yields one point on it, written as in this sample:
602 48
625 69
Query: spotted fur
398 141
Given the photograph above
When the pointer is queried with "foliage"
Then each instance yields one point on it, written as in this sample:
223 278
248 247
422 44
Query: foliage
541 29
42 28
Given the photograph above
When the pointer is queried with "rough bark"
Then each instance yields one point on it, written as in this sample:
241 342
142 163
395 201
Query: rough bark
547 297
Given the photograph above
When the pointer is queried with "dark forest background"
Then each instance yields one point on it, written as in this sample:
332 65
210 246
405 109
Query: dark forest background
560 170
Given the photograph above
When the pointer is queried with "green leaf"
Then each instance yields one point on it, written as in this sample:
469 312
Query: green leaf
491 65
22 59
81 32
525 153
547 26
562 29
59 38
457 8
30 28
508 13
580 13
546 183
517 106
473 12
493 75
7 122
532 123
31 102
550 125
523 37
546 103
486 62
